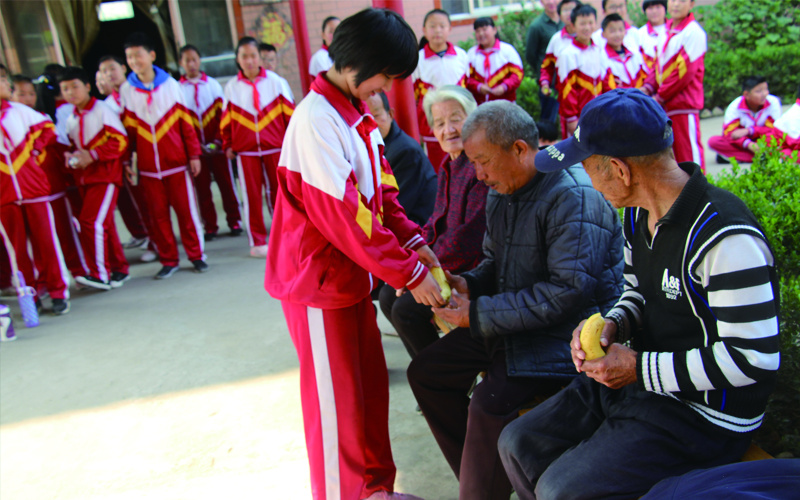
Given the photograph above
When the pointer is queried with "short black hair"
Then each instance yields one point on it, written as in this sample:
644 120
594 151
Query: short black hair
482 21
18 78
186 48
548 130
246 40
266 47
581 11
110 57
611 18
375 41
563 2
327 20
139 39
74 73
649 3
436 11
750 82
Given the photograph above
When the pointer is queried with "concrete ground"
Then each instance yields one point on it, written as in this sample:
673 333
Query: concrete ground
181 389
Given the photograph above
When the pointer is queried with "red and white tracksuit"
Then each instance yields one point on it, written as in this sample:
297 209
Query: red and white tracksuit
337 223
738 116
787 129
97 129
433 71
161 131
132 206
677 83
499 64
255 118
583 74
628 68
320 62
650 38
548 73
630 40
25 211
204 99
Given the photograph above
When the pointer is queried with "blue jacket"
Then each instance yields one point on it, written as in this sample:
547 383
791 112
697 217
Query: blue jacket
554 256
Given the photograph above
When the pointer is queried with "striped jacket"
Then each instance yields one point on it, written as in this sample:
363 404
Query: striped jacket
649 39
98 130
204 99
337 220
499 64
583 75
24 134
160 128
547 73
738 115
434 71
256 114
700 305
628 68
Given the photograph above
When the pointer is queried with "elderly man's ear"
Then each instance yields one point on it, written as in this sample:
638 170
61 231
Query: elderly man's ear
521 149
621 170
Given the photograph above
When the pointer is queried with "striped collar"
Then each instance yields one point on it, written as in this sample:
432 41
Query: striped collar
89 106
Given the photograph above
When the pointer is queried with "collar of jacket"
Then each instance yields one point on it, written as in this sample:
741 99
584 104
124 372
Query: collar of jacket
527 188
337 99
161 77
682 210
450 51
203 78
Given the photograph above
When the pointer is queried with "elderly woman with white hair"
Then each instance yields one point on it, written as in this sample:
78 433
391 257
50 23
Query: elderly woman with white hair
455 230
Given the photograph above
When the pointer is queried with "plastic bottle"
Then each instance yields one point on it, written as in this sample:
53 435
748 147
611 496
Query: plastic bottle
27 303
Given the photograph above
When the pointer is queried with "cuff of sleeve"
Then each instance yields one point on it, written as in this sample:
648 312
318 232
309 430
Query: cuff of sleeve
572 119
544 82
623 333
415 242
474 324
420 271
751 130
648 87
746 143
93 154
472 286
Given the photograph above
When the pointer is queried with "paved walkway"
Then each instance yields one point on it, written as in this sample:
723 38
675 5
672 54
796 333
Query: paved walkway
181 389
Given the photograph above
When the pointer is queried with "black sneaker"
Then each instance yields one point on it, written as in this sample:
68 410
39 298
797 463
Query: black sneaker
118 279
722 160
39 305
91 281
60 306
210 236
200 266
236 231
165 272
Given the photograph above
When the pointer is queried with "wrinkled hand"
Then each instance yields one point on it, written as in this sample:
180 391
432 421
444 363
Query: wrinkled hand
230 154
607 337
739 133
457 283
457 313
614 370
194 167
427 257
428 292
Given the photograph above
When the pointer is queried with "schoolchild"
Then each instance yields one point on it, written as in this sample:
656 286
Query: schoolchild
626 64
495 67
321 61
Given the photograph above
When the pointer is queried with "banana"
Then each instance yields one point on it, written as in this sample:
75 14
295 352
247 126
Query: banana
590 337
438 273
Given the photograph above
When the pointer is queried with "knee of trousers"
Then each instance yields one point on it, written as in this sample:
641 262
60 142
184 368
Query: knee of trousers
510 443
422 370
559 483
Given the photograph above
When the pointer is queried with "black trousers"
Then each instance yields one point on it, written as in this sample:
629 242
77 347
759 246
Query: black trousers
412 321
467 429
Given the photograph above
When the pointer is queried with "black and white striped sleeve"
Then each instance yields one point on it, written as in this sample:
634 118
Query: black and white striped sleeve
627 312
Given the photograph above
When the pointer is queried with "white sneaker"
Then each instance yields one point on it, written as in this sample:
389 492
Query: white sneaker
385 495
259 251
148 256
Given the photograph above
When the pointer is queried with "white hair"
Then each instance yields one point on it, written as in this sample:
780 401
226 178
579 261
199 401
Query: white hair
448 93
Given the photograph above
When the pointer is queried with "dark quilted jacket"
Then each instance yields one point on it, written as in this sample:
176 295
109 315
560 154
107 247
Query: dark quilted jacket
553 258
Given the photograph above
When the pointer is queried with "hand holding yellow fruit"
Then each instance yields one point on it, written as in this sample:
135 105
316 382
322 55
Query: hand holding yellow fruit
590 337
438 274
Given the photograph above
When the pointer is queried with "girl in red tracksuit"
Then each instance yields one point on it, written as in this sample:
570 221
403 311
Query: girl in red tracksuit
337 223
440 63
25 211
258 105
99 143
495 68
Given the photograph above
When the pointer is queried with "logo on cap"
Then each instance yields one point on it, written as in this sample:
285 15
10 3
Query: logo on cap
555 153
578 134
667 130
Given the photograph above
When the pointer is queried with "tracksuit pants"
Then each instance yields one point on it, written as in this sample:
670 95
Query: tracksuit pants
724 146
35 221
688 145
258 174
344 388
68 236
101 245
218 166
133 209
176 191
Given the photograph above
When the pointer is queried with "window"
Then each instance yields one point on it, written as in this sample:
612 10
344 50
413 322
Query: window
206 26
464 9
30 37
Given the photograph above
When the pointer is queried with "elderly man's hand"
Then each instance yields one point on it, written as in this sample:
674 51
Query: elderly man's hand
607 337
458 311
616 369
457 283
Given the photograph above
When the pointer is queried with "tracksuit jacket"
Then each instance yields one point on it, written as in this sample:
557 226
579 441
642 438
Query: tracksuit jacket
738 115
584 74
204 99
547 73
493 66
98 130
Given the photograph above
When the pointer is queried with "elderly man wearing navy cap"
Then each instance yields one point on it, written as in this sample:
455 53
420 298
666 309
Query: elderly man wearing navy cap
691 348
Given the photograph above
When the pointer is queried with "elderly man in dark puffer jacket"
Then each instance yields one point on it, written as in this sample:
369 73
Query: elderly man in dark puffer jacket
554 256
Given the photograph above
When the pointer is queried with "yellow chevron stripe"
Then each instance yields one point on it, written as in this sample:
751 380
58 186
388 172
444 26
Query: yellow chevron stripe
500 75
25 155
364 218
573 80
731 127
679 63
389 180
211 112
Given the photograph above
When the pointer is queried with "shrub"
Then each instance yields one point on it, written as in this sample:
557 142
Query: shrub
769 190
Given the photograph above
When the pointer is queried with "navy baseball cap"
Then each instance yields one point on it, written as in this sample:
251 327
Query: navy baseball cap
619 123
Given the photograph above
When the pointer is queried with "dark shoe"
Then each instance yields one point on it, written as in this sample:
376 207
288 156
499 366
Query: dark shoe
236 231
200 266
39 305
722 160
210 236
60 306
91 281
118 279
165 272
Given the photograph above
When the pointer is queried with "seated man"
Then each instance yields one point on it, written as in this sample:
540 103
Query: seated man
553 251
747 118
700 309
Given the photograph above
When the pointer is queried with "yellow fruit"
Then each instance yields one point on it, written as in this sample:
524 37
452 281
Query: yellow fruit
438 273
590 337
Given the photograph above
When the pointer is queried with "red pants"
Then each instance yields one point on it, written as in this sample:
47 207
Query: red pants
35 221
688 145
258 174
174 191
435 153
220 167
725 147
5 268
344 389
133 209
69 237
101 246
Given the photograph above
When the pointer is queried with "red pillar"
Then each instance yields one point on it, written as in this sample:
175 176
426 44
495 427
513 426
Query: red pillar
401 96
301 41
